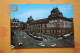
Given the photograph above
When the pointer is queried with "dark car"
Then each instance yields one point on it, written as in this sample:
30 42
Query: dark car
71 33
30 35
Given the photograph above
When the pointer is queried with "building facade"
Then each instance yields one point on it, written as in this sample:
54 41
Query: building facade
17 25
55 25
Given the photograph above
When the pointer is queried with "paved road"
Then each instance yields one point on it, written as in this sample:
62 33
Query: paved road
28 42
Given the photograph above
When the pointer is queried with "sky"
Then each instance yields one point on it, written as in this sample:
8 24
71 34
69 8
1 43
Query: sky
39 11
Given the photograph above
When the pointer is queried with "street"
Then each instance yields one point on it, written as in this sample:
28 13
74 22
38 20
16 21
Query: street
21 37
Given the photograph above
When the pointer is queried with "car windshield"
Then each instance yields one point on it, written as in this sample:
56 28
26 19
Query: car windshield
35 36
39 37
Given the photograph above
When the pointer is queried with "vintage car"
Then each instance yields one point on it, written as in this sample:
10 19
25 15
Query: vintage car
30 35
41 44
66 36
20 43
38 38
35 37
53 45
12 46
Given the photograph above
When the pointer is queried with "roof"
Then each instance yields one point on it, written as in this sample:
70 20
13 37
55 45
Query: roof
47 19
69 19
41 20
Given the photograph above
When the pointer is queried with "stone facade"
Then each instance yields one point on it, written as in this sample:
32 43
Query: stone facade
54 25
17 25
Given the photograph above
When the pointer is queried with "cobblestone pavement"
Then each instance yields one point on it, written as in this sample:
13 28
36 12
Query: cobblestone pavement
29 42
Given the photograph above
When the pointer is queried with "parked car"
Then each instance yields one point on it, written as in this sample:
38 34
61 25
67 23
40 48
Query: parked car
20 43
66 36
53 45
35 37
41 44
39 38
24 36
12 46
30 35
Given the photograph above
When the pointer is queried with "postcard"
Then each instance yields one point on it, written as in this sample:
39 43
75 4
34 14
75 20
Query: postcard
41 25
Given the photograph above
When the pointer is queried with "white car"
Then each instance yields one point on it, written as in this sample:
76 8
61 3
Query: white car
53 45
20 43
12 46
66 36
35 36
41 44
24 37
